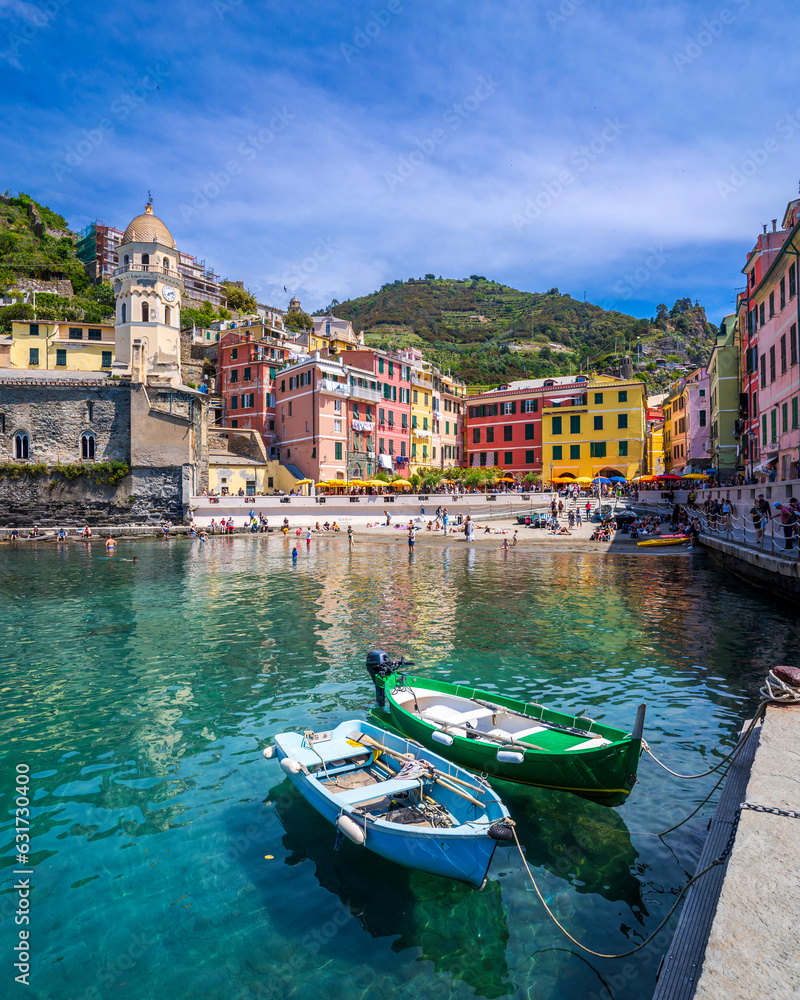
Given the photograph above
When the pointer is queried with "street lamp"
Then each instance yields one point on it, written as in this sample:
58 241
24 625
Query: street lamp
552 490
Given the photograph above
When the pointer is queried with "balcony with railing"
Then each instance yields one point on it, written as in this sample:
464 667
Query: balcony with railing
329 385
134 268
361 392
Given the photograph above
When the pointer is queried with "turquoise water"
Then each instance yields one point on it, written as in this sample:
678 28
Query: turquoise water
172 860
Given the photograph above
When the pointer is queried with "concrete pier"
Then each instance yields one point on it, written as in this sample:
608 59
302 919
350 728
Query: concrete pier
751 948
777 573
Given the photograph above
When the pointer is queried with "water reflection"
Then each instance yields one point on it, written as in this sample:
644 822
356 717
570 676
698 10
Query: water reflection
461 931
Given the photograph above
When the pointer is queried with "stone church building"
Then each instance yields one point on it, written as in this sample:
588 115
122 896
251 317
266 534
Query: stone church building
140 414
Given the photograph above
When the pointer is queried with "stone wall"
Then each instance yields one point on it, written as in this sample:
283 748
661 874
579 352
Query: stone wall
55 416
146 496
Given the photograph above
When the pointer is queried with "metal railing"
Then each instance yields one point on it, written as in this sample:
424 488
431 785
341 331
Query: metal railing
147 268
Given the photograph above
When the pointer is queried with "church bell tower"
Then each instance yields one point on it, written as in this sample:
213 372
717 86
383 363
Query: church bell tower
148 290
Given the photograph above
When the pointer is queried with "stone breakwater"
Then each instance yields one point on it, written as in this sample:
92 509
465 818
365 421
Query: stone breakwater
145 496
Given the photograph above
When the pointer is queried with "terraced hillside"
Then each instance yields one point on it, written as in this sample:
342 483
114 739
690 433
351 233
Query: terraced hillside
488 332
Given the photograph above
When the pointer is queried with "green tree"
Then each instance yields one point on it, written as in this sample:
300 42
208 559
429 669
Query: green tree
296 319
239 298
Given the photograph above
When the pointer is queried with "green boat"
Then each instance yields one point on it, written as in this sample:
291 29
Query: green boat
507 738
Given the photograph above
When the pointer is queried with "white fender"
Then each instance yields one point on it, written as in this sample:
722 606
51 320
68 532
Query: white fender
270 752
291 766
444 738
352 830
510 756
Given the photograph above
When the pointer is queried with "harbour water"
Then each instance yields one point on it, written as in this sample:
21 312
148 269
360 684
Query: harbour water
170 859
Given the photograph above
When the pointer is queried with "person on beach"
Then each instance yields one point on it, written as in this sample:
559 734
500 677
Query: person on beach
388 517
504 546
203 537
411 538
87 532
515 538
110 545
14 535
308 536
350 536
294 554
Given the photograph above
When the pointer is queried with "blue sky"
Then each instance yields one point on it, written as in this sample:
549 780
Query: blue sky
628 152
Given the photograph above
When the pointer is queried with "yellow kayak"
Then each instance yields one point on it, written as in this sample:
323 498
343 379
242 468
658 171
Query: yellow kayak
666 540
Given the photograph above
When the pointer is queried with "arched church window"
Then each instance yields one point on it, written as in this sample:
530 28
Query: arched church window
87 445
21 443
145 258
145 313
126 260
166 263
167 315
123 315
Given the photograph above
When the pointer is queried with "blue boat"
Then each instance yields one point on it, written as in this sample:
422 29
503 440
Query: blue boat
392 796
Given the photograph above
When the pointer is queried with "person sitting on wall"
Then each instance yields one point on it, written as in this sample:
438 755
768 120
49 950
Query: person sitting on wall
87 532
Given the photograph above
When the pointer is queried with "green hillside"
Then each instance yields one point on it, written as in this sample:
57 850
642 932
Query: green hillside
487 332
48 256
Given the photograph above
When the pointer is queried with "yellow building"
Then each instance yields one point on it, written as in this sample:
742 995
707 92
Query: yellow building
72 346
654 462
422 421
598 433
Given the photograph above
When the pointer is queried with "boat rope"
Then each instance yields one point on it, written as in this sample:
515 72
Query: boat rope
720 859
737 749
773 691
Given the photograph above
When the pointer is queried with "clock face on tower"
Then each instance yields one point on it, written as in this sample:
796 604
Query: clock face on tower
169 293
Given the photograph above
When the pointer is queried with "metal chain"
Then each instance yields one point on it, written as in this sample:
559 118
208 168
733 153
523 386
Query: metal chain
755 807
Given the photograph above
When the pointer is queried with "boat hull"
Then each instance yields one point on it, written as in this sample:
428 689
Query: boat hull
604 774
665 540
462 852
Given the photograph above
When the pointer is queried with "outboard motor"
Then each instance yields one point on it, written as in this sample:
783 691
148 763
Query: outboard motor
379 666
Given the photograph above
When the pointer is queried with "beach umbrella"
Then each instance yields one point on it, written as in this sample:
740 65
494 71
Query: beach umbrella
303 482
695 475
583 480
668 475
399 482
618 479
600 479
505 479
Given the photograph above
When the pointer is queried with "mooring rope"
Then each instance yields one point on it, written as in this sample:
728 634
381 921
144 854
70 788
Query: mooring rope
775 690
759 712
599 954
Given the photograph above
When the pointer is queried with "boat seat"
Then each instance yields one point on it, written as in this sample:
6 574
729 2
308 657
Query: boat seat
328 751
528 732
449 717
365 793
593 743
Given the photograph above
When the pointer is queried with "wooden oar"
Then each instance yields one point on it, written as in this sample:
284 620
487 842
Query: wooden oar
542 722
442 778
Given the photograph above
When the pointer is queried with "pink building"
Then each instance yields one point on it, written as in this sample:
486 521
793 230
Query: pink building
312 417
386 445
245 379
773 310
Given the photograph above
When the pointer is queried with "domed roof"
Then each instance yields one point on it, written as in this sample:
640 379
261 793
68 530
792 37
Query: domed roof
148 228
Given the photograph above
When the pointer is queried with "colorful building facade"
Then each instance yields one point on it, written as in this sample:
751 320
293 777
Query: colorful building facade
68 346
